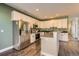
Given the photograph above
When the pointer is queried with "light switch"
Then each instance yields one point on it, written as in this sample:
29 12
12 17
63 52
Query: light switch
2 30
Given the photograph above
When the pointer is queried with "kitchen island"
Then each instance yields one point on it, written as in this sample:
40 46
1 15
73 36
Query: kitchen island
49 43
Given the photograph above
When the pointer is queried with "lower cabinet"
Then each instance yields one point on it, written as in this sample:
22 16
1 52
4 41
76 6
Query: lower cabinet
32 38
63 36
50 45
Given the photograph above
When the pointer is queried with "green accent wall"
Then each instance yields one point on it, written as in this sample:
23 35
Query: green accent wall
6 25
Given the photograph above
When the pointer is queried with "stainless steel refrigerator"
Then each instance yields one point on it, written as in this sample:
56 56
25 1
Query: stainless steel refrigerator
21 35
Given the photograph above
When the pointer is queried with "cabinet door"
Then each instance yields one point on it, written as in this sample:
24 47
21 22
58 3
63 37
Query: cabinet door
64 36
43 44
32 38
16 15
49 46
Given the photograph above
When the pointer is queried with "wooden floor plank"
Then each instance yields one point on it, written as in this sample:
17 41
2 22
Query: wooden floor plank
70 48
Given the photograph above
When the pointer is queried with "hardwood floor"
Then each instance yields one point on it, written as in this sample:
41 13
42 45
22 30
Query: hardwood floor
32 50
70 48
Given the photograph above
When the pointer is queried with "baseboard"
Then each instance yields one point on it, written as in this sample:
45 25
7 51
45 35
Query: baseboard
5 49
46 54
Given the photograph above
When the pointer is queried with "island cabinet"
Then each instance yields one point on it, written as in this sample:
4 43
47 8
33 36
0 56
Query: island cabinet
49 45
63 36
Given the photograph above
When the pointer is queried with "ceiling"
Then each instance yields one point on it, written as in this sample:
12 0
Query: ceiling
48 10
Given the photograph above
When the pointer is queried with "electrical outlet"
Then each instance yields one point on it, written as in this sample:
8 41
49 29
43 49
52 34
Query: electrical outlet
2 30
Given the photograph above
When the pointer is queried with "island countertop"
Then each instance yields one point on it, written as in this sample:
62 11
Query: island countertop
46 34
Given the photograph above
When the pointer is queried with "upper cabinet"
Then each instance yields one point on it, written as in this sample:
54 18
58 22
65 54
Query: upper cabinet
59 23
16 16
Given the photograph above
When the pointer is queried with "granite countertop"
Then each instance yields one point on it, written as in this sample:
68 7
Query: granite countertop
50 33
47 34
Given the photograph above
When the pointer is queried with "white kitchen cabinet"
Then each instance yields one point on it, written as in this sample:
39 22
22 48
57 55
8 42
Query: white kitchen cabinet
63 36
32 37
50 45
41 33
17 16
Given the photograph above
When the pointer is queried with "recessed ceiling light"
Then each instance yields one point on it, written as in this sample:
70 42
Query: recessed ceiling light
37 9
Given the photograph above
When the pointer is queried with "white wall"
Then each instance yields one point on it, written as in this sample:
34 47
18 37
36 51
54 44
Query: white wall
75 27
